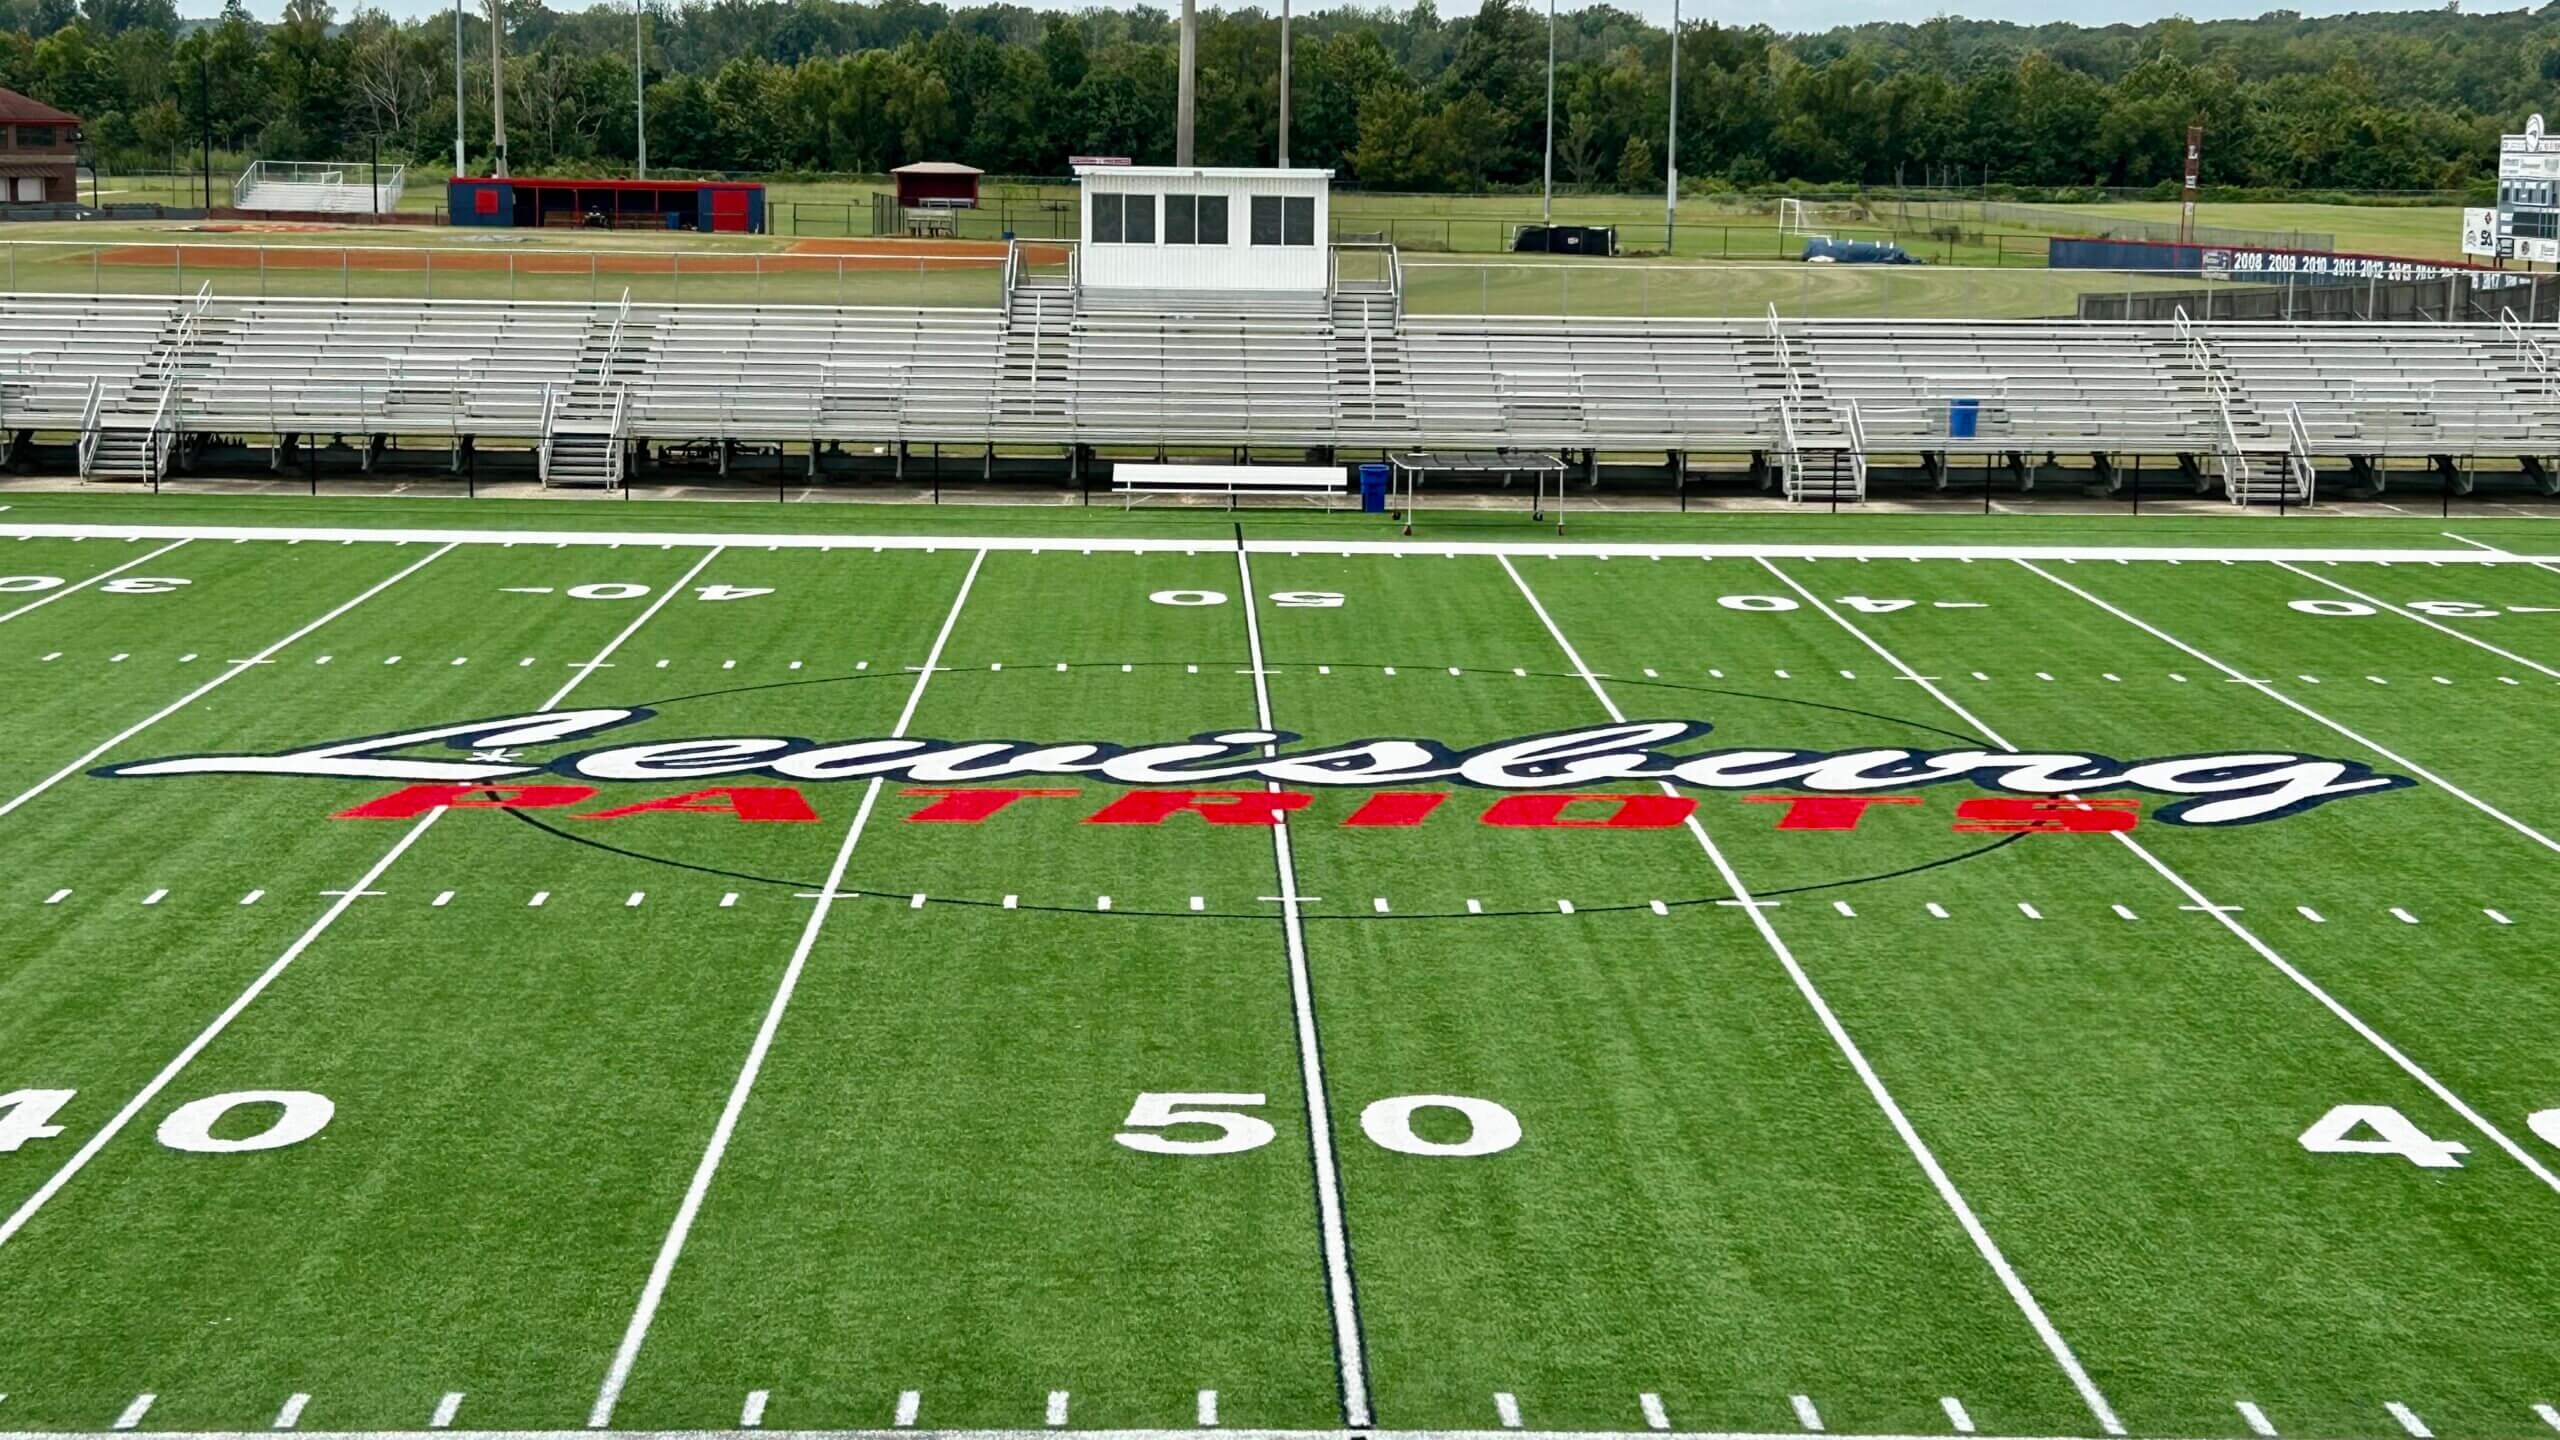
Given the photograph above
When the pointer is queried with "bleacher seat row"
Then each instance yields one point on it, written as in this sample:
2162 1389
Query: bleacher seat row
1056 368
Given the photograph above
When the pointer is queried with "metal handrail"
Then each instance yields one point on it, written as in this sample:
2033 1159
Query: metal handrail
2298 451
550 407
89 409
1857 431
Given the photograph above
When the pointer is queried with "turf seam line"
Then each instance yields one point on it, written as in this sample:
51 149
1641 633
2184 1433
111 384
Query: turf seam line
1350 1343
2222 914
346 898
230 672
2028 1306
654 1290
79 585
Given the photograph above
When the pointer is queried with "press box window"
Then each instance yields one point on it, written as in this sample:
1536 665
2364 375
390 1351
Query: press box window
1284 220
1124 219
1195 219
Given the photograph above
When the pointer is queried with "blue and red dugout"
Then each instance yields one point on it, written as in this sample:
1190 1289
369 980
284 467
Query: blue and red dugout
523 202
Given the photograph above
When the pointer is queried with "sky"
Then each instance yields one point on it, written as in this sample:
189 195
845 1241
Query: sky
1783 15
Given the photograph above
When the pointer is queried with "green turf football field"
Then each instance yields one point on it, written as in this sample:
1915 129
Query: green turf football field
653 968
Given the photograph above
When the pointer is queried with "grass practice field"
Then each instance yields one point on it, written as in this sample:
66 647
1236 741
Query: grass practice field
1022 970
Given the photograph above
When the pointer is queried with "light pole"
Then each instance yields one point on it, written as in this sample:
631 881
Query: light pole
640 81
1182 86
497 91
459 168
1284 84
1547 172
1671 143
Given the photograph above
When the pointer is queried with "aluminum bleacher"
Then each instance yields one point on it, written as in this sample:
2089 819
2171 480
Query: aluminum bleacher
2253 406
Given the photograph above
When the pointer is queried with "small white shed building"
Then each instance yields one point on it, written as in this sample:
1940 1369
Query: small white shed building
1193 228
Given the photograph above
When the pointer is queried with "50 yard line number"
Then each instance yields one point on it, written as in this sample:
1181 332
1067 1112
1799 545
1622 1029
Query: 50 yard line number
1491 1128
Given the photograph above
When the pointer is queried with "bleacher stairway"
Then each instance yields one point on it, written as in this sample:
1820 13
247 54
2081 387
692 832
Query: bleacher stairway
1369 368
1034 384
586 423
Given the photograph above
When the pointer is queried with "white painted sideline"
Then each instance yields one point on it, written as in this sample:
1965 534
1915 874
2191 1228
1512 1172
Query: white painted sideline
1119 545
1030 1434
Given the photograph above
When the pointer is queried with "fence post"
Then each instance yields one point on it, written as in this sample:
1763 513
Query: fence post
591 278
839 280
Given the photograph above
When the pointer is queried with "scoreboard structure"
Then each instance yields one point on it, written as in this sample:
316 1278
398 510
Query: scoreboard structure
2526 223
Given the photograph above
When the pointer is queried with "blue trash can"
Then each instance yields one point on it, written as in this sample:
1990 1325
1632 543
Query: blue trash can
1964 417
1373 489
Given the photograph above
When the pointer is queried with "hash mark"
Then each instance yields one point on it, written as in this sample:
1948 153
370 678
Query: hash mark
134 1412
539 896
1843 907
2500 919
443 898
2123 913
253 897
2403 916
1057 1408
1199 902
1012 902
57 897
752 1416
1380 902
1956 1415
1474 907
2310 914
729 900
1101 902
916 901
1805 1412
1660 909
1208 1412
2029 911
2409 1421
2549 1416
1564 907
1937 911
2256 1418
291 1414
907 1402
1506 1406
1654 1415
155 897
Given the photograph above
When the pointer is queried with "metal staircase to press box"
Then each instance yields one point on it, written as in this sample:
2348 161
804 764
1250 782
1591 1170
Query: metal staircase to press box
1035 376
585 424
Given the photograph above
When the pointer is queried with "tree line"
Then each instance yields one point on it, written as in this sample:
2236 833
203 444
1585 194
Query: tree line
1398 100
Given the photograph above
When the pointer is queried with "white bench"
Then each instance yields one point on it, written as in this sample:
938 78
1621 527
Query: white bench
1293 481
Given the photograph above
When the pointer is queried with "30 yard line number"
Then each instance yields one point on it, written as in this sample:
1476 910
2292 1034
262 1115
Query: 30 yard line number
129 585
1490 1128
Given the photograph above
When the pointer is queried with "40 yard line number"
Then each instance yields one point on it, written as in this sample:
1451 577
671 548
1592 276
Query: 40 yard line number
27 1115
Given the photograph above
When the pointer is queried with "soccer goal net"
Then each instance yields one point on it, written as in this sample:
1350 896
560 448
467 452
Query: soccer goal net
1795 217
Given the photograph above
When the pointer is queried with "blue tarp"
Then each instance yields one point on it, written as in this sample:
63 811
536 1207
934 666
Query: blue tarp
1858 252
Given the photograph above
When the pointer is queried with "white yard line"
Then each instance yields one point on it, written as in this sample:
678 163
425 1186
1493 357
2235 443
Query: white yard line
1350 1346
79 585
236 668
1989 1249
2393 757
654 1291
25 1212
2196 898
1095 545
2429 621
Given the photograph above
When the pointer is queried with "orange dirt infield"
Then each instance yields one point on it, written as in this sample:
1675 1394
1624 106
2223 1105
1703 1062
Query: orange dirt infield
805 256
